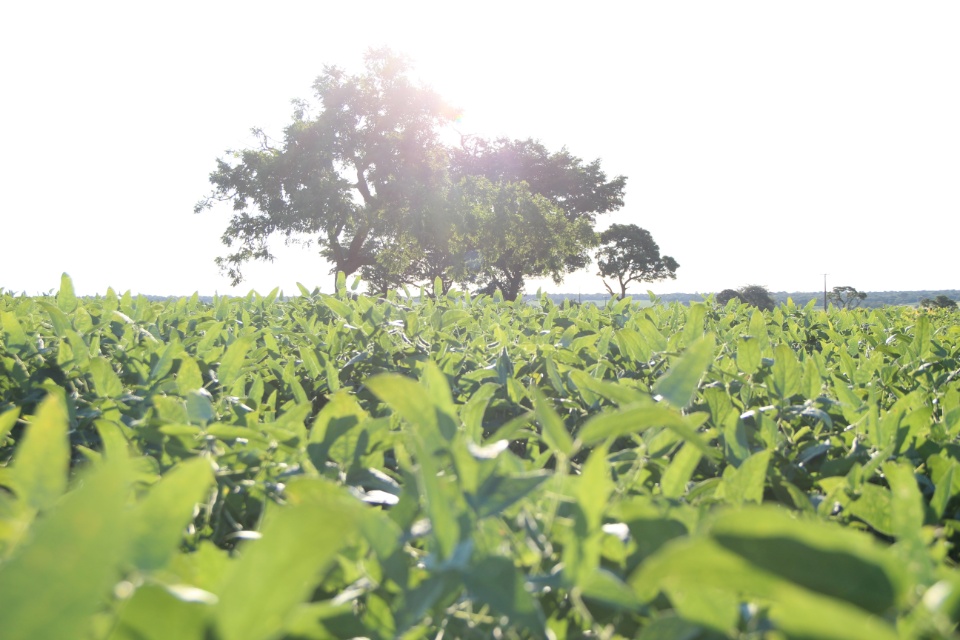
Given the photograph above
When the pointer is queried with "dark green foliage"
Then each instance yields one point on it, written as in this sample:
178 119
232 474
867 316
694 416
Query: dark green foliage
753 295
940 302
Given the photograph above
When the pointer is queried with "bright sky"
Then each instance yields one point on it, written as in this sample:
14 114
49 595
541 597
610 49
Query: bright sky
764 142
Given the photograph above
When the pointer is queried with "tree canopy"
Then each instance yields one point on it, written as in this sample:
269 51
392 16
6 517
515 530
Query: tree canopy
846 297
752 294
940 302
362 175
630 254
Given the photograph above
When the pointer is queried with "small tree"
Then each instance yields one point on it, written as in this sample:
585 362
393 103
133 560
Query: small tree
757 296
846 297
726 296
940 302
752 294
630 254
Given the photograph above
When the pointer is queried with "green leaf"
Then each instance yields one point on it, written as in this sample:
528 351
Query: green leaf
66 299
155 613
811 384
635 419
670 627
311 363
495 582
758 329
693 326
231 363
499 492
443 518
796 611
199 408
165 361
105 379
907 504
43 457
785 373
56 581
748 354
115 443
60 321
338 307
406 397
746 483
594 487
189 377
907 515
606 588
673 484
8 420
158 522
555 433
14 336
471 413
336 430
679 385
275 574
873 506
717 609
615 393
941 496
822 557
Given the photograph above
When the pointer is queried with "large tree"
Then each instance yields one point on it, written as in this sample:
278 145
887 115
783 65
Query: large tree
630 254
348 175
362 175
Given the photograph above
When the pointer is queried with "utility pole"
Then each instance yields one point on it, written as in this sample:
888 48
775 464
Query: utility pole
825 291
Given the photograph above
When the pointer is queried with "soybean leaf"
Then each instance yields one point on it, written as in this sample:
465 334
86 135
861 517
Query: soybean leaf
8 420
232 361
14 336
673 484
831 560
70 563
499 492
189 377
105 379
555 433
496 582
66 299
679 385
746 483
43 457
634 419
606 588
155 613
873 506
798 612
158 522
748 354
275 574
785 373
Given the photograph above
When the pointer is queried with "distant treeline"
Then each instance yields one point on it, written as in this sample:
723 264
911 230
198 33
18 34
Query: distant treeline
874 299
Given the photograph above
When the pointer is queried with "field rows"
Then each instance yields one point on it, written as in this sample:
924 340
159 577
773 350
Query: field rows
336 466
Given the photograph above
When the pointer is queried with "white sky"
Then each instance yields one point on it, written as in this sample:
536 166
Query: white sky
764 142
